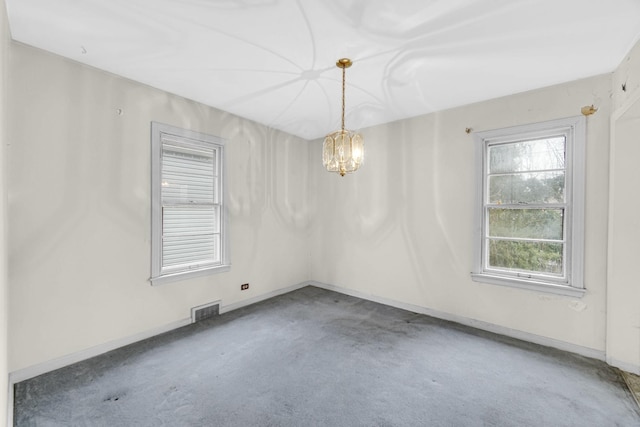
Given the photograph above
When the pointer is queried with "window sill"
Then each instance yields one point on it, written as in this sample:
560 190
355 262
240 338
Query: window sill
532 285
184 275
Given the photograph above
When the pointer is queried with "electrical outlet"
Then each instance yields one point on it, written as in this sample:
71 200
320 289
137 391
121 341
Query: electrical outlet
244 287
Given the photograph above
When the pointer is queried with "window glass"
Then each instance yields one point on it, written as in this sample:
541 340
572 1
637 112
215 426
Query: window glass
538 154
187 215
527 223
526 256
529 227
528 187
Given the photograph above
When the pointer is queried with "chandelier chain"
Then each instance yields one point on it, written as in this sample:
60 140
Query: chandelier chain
343 90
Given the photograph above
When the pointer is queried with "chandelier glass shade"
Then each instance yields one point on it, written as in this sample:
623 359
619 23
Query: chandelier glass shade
343 150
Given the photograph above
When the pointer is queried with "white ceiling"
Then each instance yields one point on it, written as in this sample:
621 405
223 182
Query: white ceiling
273 61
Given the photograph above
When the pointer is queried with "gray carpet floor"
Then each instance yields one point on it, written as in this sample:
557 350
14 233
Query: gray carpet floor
317 358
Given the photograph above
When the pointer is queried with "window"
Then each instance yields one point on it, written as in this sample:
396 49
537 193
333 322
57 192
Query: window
187 198
530 206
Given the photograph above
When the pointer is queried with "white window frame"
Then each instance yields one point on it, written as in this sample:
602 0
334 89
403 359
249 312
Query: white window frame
159 133
574 130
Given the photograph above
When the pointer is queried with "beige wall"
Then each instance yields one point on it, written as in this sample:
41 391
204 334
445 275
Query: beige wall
627 75
623 291
4 369
79 206
402 227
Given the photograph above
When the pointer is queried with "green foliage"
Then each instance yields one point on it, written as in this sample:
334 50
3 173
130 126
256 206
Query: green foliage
526 223
527 188
526 256
514 189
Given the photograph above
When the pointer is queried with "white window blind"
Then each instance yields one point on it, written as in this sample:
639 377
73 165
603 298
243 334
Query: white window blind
190 214
190 225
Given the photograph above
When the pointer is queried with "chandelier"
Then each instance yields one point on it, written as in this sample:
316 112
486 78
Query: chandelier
343 150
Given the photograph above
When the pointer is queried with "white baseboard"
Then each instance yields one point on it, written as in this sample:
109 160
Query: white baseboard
249 301
478 324
61 362
10 404
625 366
51 365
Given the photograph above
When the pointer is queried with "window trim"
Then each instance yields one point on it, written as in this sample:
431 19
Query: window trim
574 128
157 277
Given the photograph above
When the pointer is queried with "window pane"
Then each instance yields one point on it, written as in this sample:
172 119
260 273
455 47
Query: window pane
187 177
184 251
534 257
182 220
539 187
526 223
190 236
540 154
